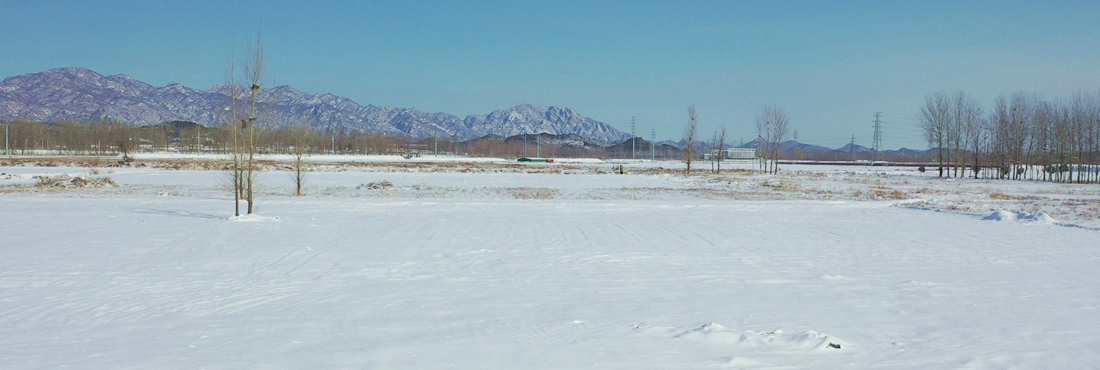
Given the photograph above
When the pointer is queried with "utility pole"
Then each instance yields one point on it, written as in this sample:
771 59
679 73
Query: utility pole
632 136
538 145
7 138
524 144
876 143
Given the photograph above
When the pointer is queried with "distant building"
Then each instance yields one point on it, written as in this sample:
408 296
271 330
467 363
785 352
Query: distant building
731 154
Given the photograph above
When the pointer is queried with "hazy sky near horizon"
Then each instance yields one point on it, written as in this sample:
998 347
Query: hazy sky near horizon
829 64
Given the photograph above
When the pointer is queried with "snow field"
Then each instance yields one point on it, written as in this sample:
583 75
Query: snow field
128 278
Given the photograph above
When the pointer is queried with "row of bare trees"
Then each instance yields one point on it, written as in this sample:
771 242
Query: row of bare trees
109 138
104 138
718 145
28 137
1022 137
772 128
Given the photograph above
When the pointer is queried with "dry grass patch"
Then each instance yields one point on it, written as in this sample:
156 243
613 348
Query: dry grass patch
787 186
377 185
881 193
1002 196
532 193
70 182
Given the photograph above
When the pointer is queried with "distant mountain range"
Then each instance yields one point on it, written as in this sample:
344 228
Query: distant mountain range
791 146
83 95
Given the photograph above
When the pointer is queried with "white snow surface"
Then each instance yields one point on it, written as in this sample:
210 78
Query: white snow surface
538 271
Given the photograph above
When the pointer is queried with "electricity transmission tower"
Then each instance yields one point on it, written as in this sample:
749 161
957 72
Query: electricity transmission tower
852 148
652 140
632 136
876 143
796 135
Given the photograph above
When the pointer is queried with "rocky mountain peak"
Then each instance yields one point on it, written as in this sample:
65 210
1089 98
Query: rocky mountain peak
83 95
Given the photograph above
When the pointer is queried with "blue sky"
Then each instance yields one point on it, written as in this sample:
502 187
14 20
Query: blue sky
829 64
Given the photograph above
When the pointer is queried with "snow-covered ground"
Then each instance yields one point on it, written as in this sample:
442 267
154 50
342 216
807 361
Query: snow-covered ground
816 268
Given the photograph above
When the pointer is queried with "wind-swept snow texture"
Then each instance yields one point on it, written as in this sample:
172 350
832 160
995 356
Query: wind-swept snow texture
131 280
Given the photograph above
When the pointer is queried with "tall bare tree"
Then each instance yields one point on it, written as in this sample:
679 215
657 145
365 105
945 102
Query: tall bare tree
763 131
966 117
935 119
233 122
299 148
1021 116
244 102
780 133
719 147
975 129
690 133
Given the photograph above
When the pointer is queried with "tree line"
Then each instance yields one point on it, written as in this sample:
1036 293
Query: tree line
772 129
72 138
1022 137
29 137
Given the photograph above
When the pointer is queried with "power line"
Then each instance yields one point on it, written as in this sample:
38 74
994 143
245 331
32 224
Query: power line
904 118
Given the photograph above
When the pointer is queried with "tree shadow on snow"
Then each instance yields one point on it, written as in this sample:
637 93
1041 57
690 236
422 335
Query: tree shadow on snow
177 213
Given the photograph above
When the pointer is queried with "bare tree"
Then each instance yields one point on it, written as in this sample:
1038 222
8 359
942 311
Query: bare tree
763 131
254 73
999 124
978 131
120 134
935 118
1092 156
690 132
719 147
713 155
773 126
299 149
242 116
1062 142
1041 130
780 133
955 132
237 125
1083 110
966 115
1021 116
